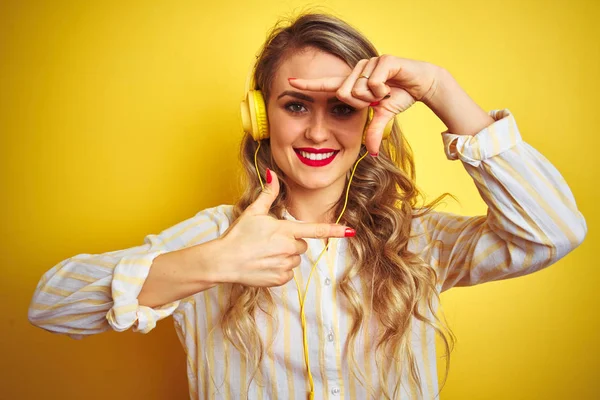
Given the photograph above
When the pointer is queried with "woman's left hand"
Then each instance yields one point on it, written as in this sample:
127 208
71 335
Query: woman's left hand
371 81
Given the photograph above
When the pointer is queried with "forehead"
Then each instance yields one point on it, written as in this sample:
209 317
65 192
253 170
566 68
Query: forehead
310 63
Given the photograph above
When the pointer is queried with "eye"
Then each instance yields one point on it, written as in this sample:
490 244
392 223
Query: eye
343 110
295 108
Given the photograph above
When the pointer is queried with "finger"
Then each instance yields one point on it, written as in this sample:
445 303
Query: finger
377 79
265 199
294 261
330 84
375 130
387 68
314 230
344 93
361 89
301 246
286 276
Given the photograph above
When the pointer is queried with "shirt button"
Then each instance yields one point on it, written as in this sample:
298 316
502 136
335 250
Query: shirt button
327 281
335 391
330 337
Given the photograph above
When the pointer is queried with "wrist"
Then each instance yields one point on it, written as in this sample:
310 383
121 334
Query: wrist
203 263
435 94
454 107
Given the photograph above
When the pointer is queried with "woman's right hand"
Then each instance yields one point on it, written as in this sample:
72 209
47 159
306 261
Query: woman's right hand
259 250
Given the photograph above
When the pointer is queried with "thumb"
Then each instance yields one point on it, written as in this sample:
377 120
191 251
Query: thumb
399 101
375 130
265 199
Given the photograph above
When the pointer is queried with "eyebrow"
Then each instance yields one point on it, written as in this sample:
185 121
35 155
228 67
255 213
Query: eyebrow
304 97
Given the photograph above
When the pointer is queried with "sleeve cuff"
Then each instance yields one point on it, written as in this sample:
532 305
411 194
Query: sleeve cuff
496 138
128 278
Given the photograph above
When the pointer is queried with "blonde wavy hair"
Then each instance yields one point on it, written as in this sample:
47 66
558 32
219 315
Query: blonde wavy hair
381 206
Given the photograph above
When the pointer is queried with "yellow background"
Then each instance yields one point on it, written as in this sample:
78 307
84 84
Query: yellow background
119 119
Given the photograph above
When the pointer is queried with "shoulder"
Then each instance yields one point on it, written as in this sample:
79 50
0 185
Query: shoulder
421 218
426 225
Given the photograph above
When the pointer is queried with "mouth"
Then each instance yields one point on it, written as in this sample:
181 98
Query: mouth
316 157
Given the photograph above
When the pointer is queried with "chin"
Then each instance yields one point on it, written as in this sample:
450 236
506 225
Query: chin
312 183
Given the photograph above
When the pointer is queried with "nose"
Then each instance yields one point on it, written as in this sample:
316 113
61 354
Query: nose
317 130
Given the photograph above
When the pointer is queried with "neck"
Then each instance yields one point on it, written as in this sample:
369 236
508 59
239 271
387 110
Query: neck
314 205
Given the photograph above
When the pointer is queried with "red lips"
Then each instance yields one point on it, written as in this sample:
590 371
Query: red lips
316 163
317 151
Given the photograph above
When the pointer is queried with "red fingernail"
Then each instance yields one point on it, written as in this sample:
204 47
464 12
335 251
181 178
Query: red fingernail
374 154
349 232
375 103
269 177
291 79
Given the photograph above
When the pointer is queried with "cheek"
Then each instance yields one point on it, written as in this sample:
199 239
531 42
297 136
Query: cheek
352 132
282 128
282 136
352 138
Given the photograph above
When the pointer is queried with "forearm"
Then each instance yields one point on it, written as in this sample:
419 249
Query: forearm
460 114
179 274
532 218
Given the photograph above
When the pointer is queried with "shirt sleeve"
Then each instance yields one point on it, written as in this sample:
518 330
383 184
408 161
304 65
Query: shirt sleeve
532 218
90 293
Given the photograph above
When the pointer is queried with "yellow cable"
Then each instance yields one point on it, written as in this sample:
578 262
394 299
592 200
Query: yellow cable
256 166
302 299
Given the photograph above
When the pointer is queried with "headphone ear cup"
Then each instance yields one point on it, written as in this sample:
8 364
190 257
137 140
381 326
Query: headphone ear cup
246 118
260 109
254 115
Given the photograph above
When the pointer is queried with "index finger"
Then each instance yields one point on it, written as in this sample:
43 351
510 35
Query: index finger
318 230
331 84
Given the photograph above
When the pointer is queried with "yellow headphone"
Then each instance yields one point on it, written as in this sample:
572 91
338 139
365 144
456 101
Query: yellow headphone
254 113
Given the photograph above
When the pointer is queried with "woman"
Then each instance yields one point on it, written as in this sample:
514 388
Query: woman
361 312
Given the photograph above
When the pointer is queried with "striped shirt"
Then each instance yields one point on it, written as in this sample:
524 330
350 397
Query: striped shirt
532 221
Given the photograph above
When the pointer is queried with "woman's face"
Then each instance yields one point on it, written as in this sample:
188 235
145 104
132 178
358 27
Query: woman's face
315 138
